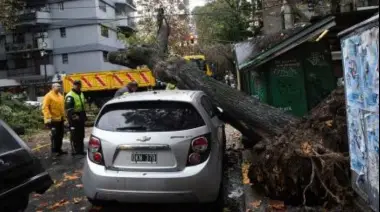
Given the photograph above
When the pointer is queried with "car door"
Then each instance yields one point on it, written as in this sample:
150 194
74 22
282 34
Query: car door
217 124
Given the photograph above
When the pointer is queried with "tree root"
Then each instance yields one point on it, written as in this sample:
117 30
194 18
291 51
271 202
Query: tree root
336 198
311 181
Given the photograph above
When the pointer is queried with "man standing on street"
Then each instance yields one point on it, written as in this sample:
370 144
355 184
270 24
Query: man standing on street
54 117
130 88
76 116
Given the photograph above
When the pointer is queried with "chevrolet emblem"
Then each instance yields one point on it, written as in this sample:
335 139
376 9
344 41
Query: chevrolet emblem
144 139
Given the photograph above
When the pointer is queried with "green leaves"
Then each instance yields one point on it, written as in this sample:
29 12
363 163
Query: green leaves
8 12
223 20
19 115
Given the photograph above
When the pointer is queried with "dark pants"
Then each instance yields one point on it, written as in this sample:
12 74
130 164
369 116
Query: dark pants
77 136
57 132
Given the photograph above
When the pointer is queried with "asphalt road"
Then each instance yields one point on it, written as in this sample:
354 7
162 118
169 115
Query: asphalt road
67 192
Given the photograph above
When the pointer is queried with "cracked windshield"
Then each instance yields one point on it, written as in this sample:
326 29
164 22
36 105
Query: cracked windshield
189 105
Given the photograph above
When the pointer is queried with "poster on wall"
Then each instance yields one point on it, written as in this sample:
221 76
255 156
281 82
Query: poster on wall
360 52
357 142
352 72
372 135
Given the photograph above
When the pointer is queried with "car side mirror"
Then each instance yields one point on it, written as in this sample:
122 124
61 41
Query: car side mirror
219 111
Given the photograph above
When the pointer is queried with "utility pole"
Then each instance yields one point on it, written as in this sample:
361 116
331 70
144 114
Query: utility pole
43 55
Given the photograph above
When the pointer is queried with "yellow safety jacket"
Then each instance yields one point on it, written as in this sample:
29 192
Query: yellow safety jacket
170 86
79 101
53 107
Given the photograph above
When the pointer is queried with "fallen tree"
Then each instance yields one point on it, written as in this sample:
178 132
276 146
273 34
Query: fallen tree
309 163
253 118
293 161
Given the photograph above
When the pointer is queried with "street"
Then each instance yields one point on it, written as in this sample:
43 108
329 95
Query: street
67 192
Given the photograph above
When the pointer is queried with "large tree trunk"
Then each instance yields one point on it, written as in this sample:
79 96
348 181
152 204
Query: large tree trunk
244 112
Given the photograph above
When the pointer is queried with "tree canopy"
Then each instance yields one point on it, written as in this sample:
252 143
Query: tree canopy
223 21
177 18
8 9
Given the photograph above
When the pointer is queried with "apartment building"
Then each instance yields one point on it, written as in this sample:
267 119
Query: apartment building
65 36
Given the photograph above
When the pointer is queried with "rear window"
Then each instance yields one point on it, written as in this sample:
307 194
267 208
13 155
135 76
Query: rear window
149 116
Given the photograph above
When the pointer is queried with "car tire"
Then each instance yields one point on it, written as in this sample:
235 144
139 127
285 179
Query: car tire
97 202
218 204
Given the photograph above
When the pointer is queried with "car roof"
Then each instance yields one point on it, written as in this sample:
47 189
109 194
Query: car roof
163 95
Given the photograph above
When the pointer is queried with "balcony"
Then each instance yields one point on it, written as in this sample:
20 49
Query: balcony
128 3
34 16
31 71
35 45
123 22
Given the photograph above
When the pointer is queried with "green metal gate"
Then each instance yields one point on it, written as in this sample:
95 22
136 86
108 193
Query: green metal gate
287 85
319 76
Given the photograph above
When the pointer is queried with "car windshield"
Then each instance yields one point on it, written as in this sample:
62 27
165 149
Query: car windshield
149 116
8 143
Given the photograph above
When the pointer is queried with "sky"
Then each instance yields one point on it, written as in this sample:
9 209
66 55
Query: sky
194 3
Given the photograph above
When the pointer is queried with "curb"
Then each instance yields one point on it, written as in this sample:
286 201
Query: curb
254 200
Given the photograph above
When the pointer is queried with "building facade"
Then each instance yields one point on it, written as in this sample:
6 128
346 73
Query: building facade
64 37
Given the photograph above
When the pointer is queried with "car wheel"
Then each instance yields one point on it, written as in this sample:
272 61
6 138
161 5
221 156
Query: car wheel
218 204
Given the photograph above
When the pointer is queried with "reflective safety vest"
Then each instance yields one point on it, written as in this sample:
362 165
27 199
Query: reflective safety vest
78 101
170 86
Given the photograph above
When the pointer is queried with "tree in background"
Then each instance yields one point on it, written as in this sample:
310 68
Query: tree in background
8 9
223 20
175 13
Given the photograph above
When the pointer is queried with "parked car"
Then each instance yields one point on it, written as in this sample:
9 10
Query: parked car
156 147
35 104
21 173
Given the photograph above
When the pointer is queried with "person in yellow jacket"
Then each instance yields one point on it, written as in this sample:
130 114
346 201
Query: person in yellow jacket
54 117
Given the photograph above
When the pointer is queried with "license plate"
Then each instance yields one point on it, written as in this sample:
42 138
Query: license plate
144 157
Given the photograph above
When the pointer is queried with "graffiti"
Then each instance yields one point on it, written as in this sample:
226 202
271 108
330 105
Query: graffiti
285 108
317 59
286 68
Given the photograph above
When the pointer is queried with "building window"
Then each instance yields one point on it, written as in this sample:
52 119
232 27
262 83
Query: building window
60 5
18 38
103 6
104 31
63 32
65 58
105 58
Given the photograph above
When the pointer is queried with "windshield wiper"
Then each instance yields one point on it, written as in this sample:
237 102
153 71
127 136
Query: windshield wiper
131 128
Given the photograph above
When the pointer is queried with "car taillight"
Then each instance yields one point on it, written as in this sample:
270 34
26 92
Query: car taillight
95 150
199 150
199 144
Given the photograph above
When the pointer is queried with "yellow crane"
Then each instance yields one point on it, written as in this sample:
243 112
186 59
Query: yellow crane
200 61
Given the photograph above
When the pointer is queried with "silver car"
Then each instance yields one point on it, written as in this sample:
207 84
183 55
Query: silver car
156 147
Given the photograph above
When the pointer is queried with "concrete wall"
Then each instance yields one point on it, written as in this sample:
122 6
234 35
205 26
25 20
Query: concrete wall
74 9
79 35
83 62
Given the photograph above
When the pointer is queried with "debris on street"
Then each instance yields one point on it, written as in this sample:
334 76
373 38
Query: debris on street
308 164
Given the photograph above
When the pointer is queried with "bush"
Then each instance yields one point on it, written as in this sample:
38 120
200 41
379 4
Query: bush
19 116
